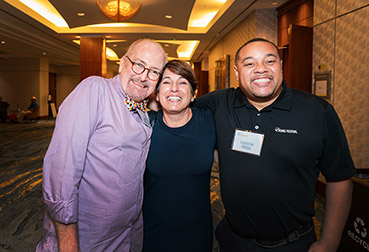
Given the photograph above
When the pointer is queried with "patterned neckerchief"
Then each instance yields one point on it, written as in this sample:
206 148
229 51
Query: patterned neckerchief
133 105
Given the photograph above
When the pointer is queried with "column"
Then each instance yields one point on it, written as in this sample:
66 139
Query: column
92 57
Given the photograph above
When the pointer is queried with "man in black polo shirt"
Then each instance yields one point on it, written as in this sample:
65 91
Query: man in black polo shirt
273 141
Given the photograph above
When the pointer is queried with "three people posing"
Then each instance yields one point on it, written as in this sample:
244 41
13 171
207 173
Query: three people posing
272 140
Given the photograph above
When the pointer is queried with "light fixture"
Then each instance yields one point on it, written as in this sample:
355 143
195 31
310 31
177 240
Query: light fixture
168 16
81 14
119 10
46 10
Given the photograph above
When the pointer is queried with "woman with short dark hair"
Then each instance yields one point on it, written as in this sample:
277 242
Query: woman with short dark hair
177 210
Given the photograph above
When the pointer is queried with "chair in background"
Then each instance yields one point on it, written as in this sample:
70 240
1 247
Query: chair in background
33 115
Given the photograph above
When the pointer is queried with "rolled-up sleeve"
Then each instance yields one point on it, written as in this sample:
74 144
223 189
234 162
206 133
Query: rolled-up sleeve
65 159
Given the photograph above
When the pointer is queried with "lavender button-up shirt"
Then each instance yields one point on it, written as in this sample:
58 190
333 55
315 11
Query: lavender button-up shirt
94 167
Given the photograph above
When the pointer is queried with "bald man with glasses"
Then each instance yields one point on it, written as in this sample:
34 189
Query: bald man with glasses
93 169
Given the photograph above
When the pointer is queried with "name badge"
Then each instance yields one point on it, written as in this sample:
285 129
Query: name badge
247 142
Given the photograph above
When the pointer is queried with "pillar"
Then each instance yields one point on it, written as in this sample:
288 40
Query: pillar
92 57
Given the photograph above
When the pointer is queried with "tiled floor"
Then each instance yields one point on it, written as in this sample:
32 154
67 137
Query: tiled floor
22 147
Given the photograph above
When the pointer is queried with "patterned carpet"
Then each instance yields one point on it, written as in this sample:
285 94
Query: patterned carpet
22 148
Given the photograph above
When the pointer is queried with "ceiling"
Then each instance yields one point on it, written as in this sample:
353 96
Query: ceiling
27 32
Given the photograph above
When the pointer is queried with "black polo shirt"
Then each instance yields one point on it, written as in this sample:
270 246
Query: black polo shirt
270 195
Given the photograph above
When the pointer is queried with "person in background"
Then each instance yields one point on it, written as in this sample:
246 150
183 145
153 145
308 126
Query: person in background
176 209
31 108
4 107
93 168
273 142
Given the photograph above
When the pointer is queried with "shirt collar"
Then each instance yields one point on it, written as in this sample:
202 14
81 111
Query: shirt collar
283 102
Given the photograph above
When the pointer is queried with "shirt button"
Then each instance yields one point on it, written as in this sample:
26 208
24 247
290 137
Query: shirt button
257 127
258 114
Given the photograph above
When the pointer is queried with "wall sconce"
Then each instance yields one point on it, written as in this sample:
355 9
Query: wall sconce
119 10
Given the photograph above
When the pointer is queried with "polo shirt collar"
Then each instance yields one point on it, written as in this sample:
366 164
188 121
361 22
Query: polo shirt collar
283 102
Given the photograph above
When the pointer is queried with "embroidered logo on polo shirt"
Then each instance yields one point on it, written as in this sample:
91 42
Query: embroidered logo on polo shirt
287 131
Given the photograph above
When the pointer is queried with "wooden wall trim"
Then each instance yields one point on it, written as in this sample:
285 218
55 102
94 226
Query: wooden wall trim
92 57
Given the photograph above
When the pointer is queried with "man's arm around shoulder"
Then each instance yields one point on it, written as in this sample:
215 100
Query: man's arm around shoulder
210 100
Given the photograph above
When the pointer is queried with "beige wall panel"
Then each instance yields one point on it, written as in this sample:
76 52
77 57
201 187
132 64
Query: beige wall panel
67 78
211 79
323 49
64 86
345 6
19 81
205 63
267 24
352 78
324 10
20 64
44 87
239 36
215 54
340 42
229 45
260 23
43 94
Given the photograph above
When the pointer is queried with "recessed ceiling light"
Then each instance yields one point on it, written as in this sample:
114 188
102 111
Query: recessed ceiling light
168 16
3 42
77 36
107 36
275 3
43 53
115 45
81 14
166 45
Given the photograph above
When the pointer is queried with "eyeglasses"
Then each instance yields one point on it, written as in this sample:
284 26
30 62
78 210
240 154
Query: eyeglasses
139 68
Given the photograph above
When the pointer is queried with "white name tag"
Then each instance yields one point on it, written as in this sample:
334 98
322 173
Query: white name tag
247 142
